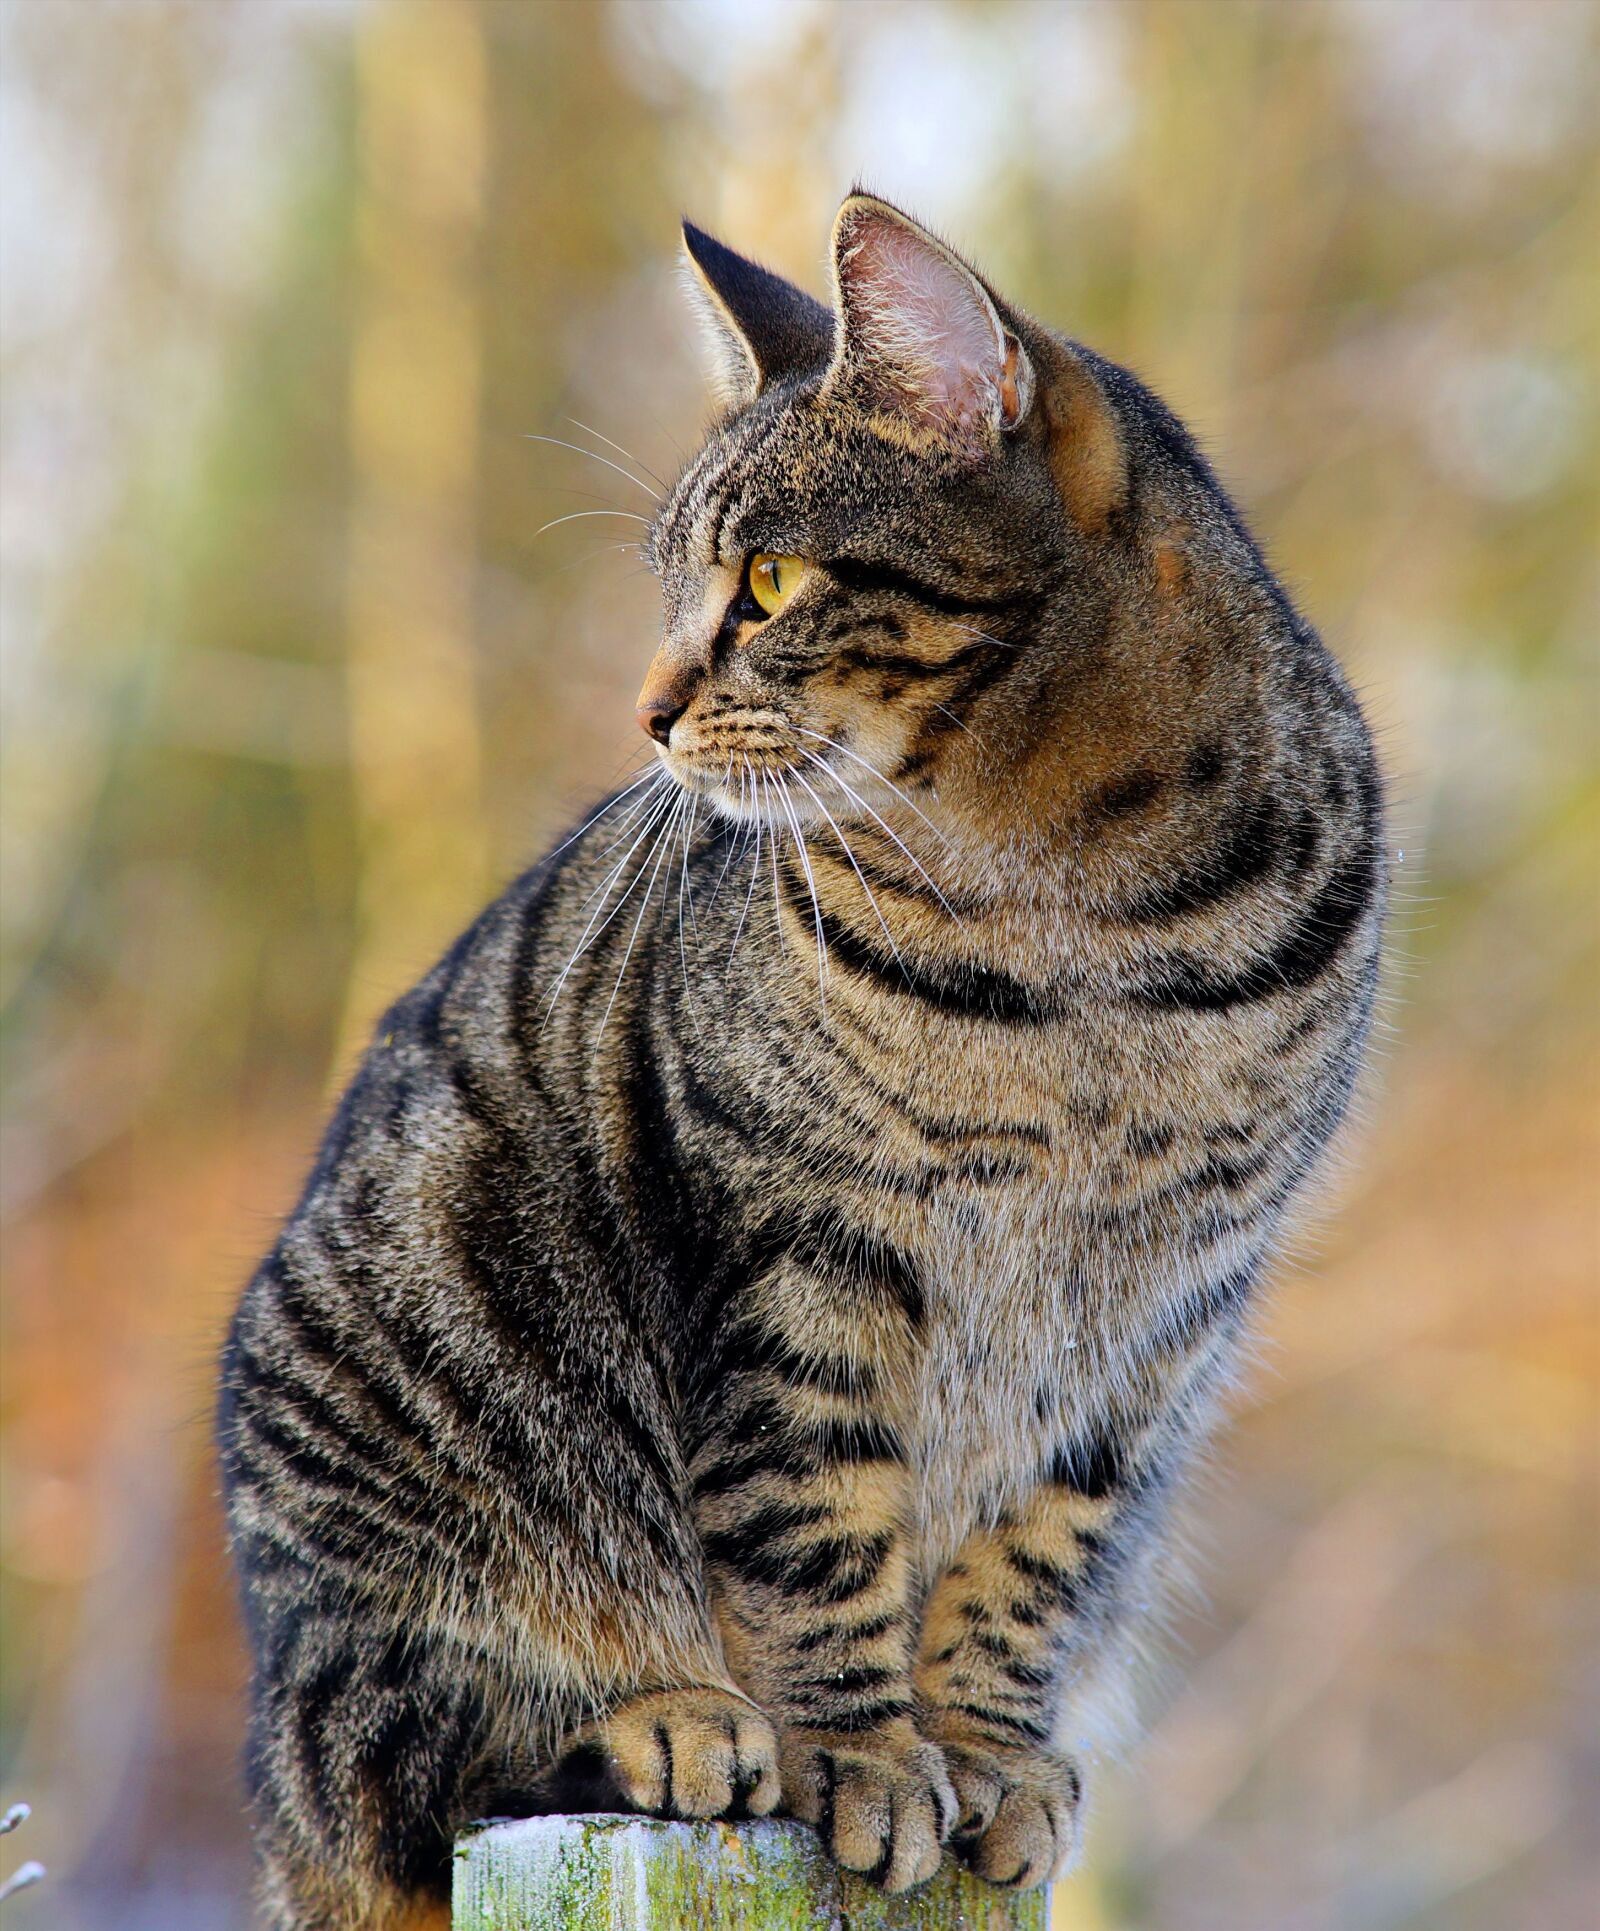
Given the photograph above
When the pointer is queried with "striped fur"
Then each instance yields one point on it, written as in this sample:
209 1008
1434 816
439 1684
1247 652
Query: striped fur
761 1289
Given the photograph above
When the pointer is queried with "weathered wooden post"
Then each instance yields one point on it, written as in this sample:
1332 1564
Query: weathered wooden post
635 1874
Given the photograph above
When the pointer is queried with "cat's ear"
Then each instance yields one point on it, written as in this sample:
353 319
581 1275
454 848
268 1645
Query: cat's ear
755 324
920 339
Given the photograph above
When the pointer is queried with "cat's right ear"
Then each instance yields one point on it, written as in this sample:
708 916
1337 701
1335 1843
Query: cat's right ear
755 325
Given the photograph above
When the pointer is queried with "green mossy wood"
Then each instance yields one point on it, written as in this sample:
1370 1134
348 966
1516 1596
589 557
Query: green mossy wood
635 1874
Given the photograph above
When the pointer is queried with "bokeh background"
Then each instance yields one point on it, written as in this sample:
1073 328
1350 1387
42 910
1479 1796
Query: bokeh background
291 683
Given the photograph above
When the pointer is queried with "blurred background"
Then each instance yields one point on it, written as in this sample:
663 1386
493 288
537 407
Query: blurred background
291 684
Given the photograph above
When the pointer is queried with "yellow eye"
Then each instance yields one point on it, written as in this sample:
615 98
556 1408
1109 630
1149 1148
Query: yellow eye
774 580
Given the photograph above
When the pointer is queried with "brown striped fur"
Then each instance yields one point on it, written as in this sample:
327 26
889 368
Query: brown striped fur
761 1289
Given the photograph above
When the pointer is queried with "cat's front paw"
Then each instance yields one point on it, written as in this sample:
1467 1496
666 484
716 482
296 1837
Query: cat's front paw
692 1753
1018 1818
882 1802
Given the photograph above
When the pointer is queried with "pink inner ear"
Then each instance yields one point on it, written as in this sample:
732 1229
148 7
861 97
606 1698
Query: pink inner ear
924 316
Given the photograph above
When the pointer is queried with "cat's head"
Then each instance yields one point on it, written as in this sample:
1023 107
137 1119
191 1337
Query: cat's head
898 550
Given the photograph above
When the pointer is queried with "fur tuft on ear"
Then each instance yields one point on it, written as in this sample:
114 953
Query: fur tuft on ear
756 325
919 336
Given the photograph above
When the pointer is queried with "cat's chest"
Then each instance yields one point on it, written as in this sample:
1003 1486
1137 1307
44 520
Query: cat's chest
1010 1356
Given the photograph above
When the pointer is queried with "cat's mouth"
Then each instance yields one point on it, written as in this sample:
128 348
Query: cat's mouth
807 779
769 785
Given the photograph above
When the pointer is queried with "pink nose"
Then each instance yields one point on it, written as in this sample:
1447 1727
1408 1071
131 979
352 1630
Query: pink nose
658 715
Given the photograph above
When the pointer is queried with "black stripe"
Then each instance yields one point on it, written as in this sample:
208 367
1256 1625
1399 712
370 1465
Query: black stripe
313 1698
750 1547
1197 1313
312 1463
995 1646
1218 1173
845 1634
835 1250
1131 792
663 1737
667 1222
839 1570
833 1569
852 1722
1028 1676
952 713
982 1170
1029 1614
1091 1466
309 1331
1247 847
846 1682
835 597
440 1037
829 1768
746 1347
1062 1584
710 1105
326 1429
846 1443
912 887
981 673
776 1450
1308 949
970 992
898 663
856 573
1001 1720
939 1132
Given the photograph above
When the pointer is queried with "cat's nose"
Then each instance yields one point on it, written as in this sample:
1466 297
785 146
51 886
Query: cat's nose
657 715
669 689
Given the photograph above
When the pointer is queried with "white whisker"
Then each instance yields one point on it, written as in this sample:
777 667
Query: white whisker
662 810
811 885
594 457
973 631
573 837
683 884
663 844
960 723
733 840
909 803
888 831
844 845
589 430
645 812
772 855
755 873
576 516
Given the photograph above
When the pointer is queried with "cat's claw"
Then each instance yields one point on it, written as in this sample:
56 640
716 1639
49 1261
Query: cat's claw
1018 1821
882 1805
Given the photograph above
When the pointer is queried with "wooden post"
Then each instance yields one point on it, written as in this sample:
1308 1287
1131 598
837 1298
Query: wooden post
636 1874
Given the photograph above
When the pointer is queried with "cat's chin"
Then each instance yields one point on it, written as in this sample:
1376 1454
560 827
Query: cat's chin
751 809
755 803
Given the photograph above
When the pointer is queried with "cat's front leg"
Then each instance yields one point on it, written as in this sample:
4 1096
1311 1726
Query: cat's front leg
802 1500
1002 1629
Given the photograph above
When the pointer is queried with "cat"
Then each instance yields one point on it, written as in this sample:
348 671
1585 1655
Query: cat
757 1300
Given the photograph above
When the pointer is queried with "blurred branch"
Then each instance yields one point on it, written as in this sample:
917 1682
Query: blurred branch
415 377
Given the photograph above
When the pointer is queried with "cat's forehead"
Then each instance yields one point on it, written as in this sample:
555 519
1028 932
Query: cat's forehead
766 460
788 473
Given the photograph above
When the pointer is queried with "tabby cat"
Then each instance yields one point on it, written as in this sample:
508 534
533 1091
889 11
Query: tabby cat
754 1304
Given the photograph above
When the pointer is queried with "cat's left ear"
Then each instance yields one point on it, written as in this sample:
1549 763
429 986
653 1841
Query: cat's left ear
756 325
920 339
